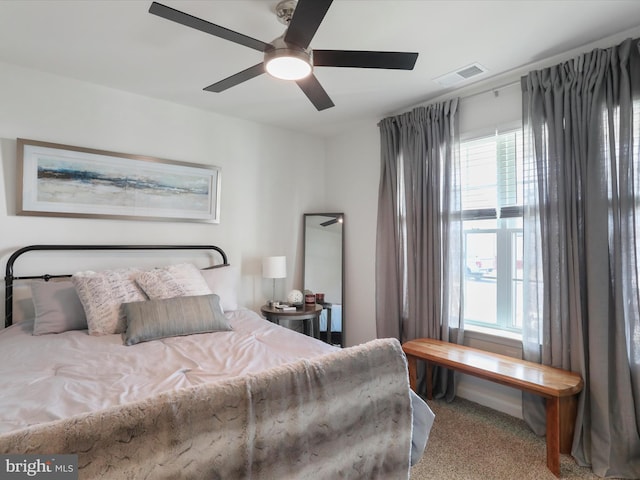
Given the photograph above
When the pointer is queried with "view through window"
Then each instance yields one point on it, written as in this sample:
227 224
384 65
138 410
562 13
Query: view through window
492 219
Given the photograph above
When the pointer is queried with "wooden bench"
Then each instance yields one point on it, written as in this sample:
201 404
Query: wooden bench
558 387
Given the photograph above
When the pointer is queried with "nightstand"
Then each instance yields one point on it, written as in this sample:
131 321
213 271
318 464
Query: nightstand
308 314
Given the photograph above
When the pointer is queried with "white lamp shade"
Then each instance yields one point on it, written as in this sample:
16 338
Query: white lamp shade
288 68
274 267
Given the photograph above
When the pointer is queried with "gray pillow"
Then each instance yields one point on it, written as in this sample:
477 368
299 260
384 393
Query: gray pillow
57 307
170 317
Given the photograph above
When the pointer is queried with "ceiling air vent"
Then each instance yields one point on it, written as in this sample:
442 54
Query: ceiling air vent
460 75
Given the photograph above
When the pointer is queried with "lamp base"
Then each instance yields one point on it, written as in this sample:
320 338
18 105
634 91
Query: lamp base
273 293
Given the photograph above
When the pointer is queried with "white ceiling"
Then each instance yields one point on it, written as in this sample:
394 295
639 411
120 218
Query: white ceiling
118 44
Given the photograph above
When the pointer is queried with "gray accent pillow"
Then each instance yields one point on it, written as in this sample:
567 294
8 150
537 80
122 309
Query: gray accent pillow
170 317
102 295
57 307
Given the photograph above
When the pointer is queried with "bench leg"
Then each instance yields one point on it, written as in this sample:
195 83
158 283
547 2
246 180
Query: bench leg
412 365
568 411
553 435
561 416
429 380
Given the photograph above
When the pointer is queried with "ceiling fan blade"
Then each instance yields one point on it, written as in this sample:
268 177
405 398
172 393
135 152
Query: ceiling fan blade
236 79
364 59
305 21
204 26
314 92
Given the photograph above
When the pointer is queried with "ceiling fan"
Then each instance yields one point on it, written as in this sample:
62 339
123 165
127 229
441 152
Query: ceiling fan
289 57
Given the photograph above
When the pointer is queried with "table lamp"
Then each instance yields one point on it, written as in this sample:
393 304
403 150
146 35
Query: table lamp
274 267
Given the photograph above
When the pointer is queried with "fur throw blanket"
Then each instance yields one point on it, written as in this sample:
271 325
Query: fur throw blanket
346 414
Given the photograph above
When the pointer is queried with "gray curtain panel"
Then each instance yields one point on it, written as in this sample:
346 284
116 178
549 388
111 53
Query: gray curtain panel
581 238
419 231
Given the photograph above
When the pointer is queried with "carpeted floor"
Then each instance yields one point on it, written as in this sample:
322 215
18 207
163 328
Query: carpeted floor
469 441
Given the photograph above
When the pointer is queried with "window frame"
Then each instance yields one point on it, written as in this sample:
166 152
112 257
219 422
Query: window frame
506 324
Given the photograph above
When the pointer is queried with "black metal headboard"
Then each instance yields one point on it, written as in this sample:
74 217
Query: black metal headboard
9 277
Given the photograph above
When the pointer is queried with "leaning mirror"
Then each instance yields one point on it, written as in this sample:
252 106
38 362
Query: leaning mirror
323 270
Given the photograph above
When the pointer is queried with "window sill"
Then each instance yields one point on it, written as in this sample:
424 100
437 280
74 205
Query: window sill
501 337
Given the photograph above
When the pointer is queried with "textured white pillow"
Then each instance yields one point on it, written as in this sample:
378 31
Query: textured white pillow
224 281
102 295
182 280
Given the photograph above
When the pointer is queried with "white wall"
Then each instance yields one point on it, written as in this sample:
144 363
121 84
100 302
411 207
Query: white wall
261 204
353 164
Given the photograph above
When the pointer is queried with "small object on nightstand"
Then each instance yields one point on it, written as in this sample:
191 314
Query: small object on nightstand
295 297
286 308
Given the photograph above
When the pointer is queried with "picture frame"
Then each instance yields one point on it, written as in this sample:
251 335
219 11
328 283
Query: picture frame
67 181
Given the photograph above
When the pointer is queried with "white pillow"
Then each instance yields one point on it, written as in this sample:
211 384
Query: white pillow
224 281
102 295
182 280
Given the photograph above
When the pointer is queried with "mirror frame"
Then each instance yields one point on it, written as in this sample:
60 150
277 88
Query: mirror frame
342 263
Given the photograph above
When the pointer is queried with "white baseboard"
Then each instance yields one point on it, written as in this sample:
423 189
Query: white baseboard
493 395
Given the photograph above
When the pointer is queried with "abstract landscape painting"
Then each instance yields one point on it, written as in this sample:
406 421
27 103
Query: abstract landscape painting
71 181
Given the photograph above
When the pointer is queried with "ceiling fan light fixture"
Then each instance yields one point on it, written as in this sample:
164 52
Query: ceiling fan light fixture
290 56
287 63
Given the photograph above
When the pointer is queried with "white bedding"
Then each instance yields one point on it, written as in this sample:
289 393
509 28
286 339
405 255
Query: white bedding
50 377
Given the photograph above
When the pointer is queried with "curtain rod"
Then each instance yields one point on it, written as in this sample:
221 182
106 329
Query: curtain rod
451 94
522 70
495 90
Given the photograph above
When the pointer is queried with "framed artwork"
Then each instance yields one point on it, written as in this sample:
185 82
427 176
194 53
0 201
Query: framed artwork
67 181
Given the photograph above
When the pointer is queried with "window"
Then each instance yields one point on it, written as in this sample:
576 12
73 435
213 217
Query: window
492 223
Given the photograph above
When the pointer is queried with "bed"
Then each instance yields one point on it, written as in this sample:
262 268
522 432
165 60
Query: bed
170 395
